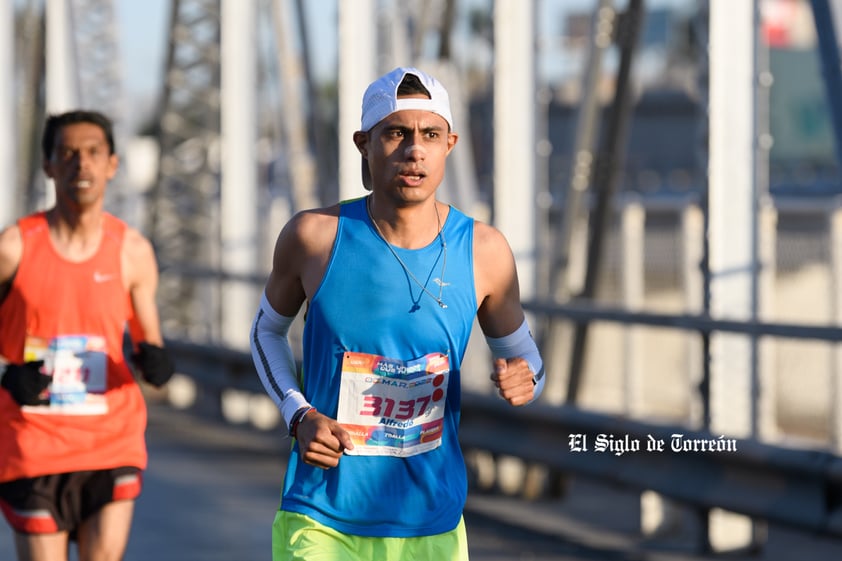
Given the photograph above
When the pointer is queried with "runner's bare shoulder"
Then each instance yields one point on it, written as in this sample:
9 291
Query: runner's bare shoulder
11 251
312 231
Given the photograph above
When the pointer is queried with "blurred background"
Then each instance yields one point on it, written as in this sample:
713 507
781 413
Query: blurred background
667 173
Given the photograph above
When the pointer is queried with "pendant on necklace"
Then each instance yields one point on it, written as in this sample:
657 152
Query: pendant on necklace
422 286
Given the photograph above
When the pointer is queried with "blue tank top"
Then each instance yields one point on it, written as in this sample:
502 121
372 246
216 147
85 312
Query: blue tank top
367 303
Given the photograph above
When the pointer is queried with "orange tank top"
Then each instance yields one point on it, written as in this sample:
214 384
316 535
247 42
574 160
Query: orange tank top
52 303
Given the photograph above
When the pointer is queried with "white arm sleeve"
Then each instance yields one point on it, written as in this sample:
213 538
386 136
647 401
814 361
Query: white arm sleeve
274 361
520 343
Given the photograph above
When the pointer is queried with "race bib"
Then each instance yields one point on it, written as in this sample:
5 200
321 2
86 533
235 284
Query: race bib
392 407
78 365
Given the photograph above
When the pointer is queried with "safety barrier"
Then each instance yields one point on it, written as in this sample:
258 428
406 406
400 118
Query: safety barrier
797 487
800 488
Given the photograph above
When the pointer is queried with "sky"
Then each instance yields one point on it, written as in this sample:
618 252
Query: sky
143 37
144 25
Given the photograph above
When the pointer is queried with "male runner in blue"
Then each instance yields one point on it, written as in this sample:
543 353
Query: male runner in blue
392 284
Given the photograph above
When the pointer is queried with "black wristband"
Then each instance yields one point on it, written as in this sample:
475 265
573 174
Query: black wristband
154 363
26 383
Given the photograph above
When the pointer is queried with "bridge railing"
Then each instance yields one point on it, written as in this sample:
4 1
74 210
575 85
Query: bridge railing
797 487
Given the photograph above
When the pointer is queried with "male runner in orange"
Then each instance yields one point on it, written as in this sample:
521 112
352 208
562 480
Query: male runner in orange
72 417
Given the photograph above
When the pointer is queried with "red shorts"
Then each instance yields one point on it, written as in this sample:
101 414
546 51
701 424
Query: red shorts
57 503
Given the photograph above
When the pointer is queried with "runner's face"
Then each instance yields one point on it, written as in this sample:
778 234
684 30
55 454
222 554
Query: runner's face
407 152
81 164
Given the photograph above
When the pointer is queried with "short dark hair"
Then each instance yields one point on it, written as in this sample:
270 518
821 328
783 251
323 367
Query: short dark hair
57 122
411 85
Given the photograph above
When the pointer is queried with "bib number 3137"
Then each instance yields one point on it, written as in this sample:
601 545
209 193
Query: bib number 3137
393 407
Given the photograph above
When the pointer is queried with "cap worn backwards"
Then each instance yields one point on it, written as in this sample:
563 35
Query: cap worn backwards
381 98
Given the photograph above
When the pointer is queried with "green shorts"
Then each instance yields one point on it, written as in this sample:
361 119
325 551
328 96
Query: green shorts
296 537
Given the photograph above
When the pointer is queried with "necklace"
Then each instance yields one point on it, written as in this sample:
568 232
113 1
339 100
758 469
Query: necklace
421 285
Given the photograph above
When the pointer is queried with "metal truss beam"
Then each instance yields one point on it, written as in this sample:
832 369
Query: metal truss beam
183 221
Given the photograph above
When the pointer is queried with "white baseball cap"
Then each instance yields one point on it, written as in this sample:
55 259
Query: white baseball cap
381 100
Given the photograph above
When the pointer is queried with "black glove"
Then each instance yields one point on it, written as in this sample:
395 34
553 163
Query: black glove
154 364
26 382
